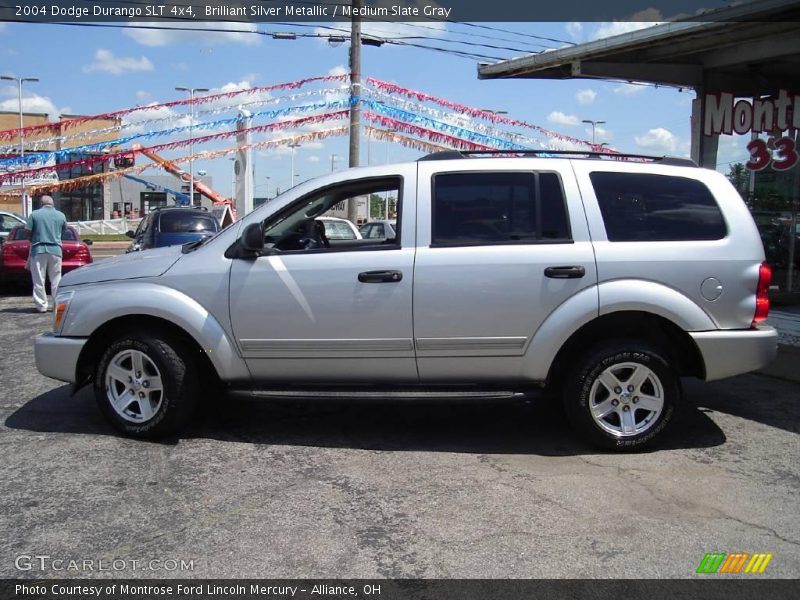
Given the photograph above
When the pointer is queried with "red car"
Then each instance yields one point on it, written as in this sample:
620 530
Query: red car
14 254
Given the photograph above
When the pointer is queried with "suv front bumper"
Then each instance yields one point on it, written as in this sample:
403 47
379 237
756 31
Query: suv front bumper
733 352
57 357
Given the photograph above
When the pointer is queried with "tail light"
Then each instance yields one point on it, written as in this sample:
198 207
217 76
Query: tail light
762 295
83 254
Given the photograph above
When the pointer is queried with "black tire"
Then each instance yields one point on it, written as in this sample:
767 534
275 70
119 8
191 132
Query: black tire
578 395
179 378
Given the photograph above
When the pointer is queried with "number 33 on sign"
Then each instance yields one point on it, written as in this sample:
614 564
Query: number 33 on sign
784 156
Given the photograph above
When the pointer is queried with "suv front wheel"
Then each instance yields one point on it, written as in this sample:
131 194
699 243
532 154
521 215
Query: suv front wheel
145 385
621 394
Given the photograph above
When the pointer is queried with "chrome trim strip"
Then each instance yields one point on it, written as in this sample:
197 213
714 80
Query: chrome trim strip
328 345
471 343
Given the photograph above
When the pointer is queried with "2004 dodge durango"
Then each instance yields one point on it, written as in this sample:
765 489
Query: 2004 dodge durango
602 281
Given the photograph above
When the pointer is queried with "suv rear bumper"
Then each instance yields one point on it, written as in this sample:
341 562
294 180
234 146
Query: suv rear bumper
57 357
727 353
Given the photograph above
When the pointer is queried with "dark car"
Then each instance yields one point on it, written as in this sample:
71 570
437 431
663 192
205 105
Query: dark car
171 227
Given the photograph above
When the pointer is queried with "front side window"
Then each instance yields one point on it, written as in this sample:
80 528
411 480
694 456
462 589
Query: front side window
643 207
498 208
319 221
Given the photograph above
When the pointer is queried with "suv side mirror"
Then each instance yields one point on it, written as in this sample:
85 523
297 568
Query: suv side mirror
130 233
88 242
253 237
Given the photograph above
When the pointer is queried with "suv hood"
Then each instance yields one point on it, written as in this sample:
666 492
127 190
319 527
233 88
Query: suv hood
150 263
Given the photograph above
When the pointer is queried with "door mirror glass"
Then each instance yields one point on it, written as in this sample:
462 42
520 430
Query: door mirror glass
253 237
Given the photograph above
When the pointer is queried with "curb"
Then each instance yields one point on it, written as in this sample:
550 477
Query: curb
785 366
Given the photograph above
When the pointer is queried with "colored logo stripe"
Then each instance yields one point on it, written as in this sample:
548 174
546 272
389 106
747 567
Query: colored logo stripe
720 562
711 562
758 563
734 562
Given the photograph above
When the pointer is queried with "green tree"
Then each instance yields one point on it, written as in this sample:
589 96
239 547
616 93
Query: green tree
739 176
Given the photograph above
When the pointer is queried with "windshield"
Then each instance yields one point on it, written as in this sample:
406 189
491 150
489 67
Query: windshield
187 222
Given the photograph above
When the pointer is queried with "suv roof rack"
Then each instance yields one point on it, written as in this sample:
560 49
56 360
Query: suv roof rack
663 160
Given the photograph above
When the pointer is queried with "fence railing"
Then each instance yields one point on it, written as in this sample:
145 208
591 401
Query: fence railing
105 226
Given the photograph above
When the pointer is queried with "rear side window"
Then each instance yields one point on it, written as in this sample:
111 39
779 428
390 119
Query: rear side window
656 208
498 208
68 235
177 221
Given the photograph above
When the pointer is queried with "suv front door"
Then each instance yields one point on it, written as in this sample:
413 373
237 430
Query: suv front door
328 315
498 251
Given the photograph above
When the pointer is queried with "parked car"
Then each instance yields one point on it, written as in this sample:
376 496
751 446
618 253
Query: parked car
339 229
602 281
8 221
380 229
172 226
14 254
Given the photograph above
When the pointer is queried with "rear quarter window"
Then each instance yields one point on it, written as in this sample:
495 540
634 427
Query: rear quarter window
639 207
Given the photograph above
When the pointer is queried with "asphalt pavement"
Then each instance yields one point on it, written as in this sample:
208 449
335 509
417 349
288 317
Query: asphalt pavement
333 488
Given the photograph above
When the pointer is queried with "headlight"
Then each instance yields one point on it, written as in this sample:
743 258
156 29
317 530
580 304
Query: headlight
61 306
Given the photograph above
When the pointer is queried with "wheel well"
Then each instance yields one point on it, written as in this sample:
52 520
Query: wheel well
657 330
107 332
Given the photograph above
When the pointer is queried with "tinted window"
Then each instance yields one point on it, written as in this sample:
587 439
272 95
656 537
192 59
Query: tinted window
16 234
68 235
498 208
641 207
189 221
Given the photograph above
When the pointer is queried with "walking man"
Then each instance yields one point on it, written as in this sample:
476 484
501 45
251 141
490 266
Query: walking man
44 228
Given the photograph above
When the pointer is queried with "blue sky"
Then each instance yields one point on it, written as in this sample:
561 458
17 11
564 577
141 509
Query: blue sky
85 70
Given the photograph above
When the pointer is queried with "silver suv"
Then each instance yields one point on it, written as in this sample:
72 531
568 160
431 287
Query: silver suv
603 281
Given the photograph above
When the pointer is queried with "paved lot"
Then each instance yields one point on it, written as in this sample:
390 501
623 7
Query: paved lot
334 489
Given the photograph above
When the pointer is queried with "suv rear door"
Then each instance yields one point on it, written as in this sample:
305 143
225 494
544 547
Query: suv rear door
498 250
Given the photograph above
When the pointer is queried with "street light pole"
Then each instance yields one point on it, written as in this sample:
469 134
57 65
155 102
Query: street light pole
20 81
333 161
267 192
191 138
293 145
593 124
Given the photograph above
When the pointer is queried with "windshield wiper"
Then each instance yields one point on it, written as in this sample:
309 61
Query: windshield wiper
192 246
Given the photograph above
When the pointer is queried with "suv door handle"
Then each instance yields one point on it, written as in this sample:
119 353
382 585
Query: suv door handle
380 276
565 272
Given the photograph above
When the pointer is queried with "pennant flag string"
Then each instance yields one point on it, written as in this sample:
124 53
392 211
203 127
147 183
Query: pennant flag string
97 178
431 135
41 143
313 119
391 88
109 145
198 100
454 130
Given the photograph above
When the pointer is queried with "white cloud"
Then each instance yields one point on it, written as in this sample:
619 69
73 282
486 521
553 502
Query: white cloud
658 139
601 134
586 96
240 33
143 96
338 70
629 89
32 103
104 60
181 66
640 20
575 30
559 117
313 158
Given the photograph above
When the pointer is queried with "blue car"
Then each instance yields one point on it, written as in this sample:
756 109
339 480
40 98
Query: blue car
172 226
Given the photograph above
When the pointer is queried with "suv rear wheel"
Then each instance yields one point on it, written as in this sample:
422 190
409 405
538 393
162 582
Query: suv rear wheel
145 386
621 394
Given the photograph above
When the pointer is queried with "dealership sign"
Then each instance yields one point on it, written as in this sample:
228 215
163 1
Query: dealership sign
725 114
772 115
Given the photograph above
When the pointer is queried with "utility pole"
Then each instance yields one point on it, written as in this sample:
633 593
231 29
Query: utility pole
333 162
20 81
355 99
